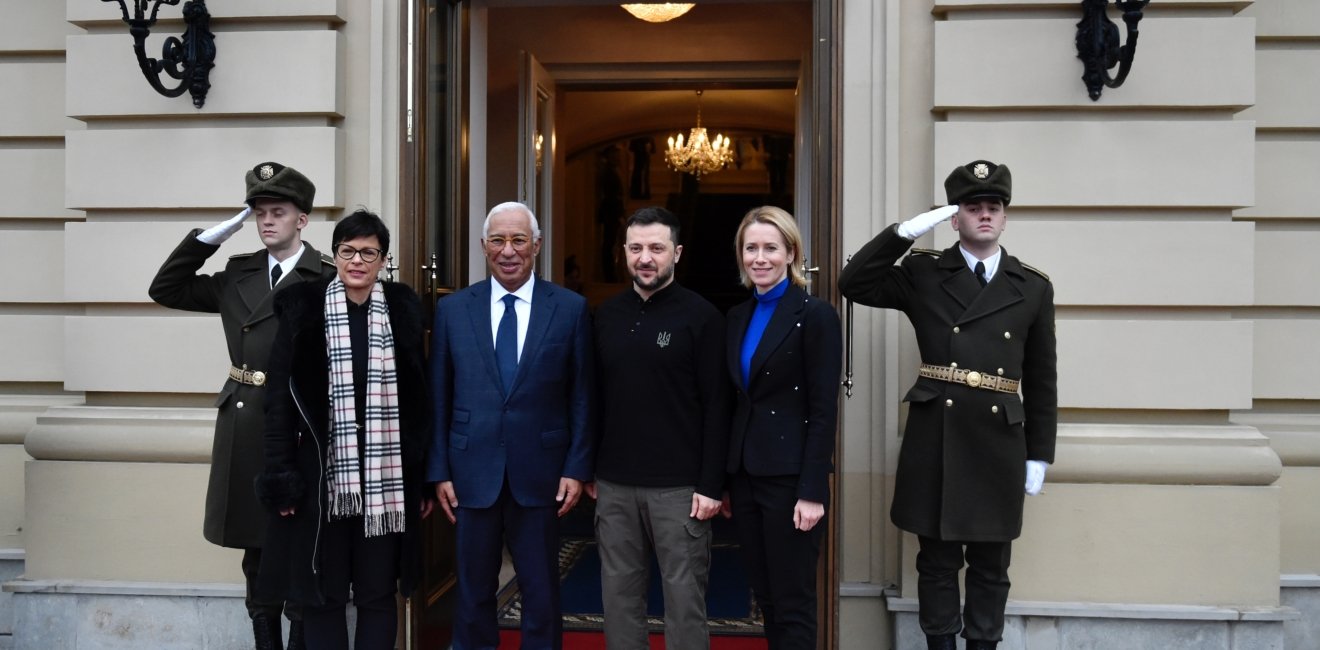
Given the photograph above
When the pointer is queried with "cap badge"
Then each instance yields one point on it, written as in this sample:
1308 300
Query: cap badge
265 172
981 171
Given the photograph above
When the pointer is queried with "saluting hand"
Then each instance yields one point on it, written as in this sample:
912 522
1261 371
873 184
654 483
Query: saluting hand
925 222
217 234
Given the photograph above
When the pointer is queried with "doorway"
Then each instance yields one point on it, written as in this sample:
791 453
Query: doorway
609 92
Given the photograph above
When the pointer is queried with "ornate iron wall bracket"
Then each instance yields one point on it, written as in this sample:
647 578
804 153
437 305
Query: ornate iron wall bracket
189 60
1097 43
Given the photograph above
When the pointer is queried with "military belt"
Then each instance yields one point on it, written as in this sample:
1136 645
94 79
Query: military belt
245 376
969 378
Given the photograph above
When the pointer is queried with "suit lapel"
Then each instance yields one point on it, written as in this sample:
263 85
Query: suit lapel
958 281
738 318
782 322
479 317
254 287
1004 290
543 313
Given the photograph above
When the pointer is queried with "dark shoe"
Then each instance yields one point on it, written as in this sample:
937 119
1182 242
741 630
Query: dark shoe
296 636
941 642
973 644
266 632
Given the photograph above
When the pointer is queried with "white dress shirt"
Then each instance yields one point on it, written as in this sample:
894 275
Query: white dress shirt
285 266
522 307
991 263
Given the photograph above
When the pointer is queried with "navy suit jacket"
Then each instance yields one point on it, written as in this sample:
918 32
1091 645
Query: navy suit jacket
542 430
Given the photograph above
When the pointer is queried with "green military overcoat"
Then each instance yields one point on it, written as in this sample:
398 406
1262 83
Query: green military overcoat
241 295
962 465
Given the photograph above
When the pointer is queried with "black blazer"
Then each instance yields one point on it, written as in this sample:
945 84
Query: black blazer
784 419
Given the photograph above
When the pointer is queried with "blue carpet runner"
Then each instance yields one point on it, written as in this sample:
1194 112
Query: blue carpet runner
729 603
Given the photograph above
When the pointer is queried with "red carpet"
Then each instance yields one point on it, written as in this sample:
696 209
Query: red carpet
596 641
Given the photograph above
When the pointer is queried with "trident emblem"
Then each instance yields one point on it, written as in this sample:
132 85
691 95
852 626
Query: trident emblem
663 339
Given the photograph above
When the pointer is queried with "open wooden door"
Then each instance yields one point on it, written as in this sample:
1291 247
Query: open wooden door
432 233
536 154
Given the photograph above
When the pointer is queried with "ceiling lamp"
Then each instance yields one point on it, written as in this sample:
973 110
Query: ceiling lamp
658 12
699 155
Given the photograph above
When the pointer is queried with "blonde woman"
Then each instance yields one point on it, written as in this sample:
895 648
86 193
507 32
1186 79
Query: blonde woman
784 351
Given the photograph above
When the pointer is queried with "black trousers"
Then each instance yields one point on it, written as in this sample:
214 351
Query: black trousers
938 563
371 566
257 605
781 560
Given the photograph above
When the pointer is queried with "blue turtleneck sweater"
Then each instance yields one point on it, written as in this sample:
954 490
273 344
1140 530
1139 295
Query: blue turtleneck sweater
765 307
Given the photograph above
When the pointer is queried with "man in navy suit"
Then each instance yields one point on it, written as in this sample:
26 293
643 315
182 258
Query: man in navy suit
512 376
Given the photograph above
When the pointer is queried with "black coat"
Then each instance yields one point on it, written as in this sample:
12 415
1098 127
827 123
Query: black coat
241 295
784 419
298 433
962 465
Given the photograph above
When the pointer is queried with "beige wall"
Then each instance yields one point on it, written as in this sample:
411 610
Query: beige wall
1136 206
32 219
1177 216
1285 216
112 176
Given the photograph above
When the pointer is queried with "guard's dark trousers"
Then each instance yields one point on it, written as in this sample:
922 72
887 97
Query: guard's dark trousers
938 564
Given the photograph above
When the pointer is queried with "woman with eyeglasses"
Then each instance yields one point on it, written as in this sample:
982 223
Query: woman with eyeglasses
347 427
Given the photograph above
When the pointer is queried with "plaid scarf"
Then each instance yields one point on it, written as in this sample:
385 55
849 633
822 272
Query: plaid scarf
383 457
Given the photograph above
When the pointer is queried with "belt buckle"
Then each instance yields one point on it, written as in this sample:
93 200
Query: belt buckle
974 379
258 378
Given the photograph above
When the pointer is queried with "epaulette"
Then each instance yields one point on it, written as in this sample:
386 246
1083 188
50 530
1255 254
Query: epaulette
326 259
243 256
1036 271
926 251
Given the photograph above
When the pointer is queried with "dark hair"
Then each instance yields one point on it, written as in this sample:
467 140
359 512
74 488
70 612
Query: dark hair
654 214
361 223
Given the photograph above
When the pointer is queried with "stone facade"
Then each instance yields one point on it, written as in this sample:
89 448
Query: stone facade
1177 217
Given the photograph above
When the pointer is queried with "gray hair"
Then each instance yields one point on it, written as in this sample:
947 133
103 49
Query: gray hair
509 206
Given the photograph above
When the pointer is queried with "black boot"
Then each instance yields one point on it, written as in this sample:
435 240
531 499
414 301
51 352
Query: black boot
266 632
974 644
941 642
296 636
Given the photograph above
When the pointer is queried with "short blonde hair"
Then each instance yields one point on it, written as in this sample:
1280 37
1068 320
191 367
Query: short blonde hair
787 227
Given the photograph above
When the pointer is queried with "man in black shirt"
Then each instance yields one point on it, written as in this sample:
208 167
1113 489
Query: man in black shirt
664 437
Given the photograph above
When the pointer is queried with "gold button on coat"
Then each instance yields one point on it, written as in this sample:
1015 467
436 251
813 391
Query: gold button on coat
953 364
1008 335
238 405
956 330
948 402
994 409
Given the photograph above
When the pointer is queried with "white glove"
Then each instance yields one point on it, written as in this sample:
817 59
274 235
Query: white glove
924 222
1035 476
217 234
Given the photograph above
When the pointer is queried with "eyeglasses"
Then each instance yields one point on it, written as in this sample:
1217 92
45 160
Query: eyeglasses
346 252
497 243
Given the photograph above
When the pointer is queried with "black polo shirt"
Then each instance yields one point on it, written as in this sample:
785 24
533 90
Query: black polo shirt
664 391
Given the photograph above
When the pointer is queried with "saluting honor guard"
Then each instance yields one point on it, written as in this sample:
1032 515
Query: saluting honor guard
983 413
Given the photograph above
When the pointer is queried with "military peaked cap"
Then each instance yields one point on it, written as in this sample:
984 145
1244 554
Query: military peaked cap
271 180
976 179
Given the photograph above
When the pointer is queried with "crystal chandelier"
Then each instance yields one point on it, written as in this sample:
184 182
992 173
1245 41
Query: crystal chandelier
699 155
658 12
